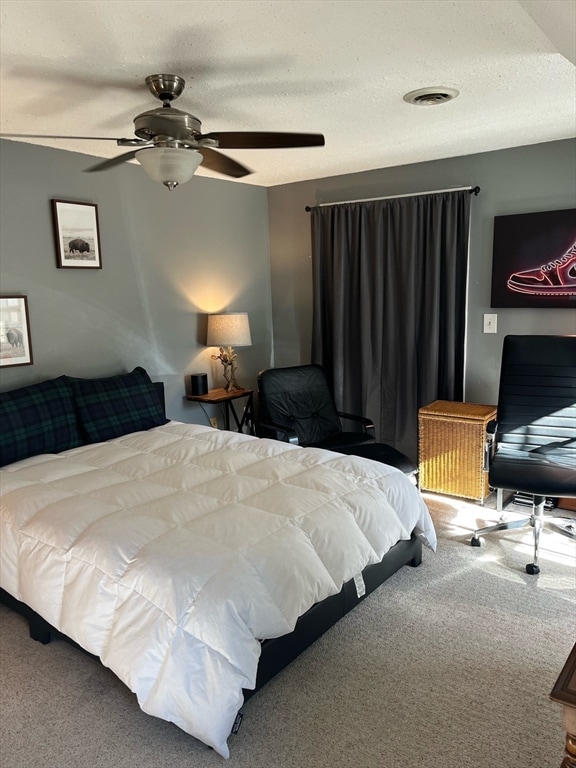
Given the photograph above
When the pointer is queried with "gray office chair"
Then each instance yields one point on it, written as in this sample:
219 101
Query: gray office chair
534 435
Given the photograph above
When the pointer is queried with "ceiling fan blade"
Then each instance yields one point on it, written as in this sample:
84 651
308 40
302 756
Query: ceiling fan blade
264 139
45 136
214 161
103 166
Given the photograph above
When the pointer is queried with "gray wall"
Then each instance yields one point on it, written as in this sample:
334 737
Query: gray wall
534 178
168 259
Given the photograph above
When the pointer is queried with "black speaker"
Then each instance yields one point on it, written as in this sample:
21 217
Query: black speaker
199 384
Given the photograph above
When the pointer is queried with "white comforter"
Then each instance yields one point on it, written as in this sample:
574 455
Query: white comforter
170 553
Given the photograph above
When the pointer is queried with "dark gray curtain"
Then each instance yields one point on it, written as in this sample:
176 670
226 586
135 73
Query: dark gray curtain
389 306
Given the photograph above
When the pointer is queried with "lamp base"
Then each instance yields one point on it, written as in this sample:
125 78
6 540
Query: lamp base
230 376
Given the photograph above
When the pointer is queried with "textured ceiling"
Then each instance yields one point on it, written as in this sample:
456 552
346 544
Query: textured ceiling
338 68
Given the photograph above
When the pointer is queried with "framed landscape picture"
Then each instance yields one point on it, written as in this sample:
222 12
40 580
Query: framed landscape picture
534 260
15 344
76 235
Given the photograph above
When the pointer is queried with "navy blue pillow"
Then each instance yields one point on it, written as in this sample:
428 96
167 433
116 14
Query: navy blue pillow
117 405
40 418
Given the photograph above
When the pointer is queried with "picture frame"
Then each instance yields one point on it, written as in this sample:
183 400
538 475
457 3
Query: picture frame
534 260
15 339
76 235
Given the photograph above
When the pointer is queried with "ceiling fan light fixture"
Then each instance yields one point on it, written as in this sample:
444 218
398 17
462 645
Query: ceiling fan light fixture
169 165
175 144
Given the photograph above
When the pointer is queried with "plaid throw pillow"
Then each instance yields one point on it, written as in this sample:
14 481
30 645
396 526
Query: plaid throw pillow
117 405
40 418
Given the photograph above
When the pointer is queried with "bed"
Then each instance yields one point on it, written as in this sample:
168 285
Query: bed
195 563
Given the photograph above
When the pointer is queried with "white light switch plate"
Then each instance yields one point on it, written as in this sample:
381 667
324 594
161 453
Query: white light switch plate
490 323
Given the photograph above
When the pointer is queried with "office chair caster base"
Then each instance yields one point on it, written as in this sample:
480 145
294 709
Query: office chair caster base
532 569
475 541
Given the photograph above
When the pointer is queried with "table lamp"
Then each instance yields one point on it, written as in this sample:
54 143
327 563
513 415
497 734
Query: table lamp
227 331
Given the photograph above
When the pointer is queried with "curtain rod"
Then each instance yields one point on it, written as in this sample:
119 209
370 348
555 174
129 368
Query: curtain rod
472 190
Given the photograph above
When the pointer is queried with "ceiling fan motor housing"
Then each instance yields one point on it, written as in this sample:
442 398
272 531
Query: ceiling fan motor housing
169 122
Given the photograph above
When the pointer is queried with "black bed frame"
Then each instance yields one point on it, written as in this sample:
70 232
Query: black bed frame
277 652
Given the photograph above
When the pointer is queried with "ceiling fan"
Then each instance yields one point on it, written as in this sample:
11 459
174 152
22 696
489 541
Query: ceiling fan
170 145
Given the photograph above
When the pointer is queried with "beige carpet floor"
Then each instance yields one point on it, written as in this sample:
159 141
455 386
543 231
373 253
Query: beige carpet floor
449 665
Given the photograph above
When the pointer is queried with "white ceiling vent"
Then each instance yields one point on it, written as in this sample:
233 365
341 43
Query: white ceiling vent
429 97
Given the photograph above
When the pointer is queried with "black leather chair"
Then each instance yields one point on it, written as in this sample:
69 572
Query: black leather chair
296 405
534 436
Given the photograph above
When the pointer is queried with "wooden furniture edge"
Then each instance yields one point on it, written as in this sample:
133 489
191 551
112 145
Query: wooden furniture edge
564 692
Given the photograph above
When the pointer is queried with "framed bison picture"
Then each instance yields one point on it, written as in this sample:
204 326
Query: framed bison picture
15 344
76 235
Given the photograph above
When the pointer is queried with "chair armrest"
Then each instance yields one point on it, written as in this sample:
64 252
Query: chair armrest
489 445
274 432
367 424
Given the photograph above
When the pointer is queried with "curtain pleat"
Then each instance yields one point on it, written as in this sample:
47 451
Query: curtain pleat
389 286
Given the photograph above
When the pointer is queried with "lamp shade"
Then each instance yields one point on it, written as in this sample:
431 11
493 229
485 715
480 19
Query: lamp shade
229 330
169 165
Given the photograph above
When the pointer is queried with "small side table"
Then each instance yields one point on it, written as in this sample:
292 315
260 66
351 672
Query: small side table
564 692
216 396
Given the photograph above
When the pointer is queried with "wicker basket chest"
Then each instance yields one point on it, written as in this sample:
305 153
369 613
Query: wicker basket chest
451 445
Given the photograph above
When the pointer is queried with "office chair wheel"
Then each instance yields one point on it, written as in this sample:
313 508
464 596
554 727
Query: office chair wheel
532 569
475 541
